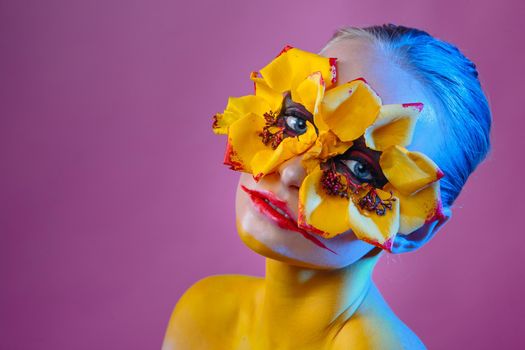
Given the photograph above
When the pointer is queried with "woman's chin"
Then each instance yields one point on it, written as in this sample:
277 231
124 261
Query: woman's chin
314 258
262 249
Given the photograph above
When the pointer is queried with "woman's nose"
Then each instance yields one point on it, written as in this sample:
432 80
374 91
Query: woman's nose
292 172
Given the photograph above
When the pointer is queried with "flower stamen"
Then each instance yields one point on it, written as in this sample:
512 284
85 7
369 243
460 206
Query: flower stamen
273 133
336 184
333 184
373 202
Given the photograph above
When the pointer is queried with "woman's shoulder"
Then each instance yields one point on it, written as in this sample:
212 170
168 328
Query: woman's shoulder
211 301
217 296
376 326
222 286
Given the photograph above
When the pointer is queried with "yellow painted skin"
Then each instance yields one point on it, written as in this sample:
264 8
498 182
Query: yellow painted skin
292 308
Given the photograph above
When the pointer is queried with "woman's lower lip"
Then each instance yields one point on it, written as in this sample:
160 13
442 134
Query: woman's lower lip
285 222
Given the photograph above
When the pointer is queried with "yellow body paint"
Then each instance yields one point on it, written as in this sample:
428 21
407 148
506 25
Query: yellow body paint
292 308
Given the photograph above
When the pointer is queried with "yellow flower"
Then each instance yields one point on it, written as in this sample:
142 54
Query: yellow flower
332 200
277 123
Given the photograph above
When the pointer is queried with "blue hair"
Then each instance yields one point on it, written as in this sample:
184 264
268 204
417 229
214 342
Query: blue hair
453 80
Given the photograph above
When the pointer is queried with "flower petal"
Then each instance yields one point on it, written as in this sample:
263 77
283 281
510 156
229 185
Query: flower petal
237 108
310 92
349 109
326 146
274 98
320 212
267 160
394 126
244 141
418 208
408 171
375 229
292 66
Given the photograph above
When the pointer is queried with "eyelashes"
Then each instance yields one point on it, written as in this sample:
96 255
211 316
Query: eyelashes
293 117
361 167
295 125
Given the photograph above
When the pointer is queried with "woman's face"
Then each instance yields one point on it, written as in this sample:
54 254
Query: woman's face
267 211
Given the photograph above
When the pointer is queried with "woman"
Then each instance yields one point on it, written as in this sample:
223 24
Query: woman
318 292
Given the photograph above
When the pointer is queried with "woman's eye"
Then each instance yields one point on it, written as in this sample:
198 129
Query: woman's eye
359 169
295 124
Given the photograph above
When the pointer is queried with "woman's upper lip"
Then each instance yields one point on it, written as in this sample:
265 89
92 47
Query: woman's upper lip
290 222
273 199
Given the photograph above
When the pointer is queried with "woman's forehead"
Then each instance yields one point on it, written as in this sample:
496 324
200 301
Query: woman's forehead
361 58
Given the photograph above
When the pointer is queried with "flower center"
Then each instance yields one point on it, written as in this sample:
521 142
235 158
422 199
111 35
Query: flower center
374 203
273 133
289 122
336 184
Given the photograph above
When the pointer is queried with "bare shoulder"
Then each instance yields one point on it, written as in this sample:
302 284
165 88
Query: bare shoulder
209 307
375 326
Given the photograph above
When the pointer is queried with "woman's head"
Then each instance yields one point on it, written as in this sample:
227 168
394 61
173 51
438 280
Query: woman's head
402 65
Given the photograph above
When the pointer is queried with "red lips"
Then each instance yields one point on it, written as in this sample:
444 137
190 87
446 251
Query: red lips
277 210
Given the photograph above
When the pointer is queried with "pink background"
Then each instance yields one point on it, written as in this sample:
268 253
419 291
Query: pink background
114 200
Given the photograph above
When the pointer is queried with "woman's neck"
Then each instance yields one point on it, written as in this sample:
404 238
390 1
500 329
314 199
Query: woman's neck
305 305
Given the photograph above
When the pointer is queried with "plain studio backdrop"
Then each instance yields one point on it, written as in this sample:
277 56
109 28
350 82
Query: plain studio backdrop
114 199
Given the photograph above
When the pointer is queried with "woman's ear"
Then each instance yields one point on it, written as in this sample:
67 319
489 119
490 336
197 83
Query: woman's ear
418 238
